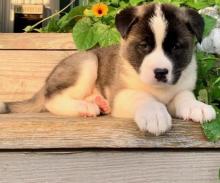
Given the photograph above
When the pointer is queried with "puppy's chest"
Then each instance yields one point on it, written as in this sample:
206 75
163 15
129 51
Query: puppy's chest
132 81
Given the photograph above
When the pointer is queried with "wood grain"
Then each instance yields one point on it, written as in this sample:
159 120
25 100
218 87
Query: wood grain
62 41
22 73
110 166
38 131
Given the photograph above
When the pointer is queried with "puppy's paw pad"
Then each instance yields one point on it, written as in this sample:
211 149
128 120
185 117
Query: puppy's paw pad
153 118
196 111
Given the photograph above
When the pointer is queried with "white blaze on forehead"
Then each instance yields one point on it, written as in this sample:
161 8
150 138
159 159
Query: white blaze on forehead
158 25
157 58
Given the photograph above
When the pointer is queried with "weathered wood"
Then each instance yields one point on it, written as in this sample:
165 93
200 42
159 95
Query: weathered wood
62 41
38 131
22 73
117 167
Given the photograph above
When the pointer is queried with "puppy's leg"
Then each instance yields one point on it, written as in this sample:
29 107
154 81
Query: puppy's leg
185 106
101 102
149 114
70 101
64 105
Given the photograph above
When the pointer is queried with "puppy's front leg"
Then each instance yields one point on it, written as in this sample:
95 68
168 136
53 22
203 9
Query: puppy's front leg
149 114
185 106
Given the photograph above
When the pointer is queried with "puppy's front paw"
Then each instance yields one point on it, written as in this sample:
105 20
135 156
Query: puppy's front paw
154 118
196 111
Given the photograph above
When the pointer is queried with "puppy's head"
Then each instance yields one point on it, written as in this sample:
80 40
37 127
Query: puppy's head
158 40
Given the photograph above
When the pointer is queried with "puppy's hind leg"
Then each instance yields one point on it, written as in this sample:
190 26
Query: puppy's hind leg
70 101
66 106
100 101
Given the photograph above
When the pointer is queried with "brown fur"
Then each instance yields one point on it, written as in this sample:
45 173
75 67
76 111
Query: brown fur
35 104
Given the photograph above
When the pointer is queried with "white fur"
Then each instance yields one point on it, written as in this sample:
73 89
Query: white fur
185 106
153 117
158 25
157 58
63 105
126 102
2 107
165 93
187 81
150 115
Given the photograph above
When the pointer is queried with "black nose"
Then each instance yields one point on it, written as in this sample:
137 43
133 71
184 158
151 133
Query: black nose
160 74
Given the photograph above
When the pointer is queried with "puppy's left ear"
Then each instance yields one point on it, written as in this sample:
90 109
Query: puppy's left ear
195 23
124 21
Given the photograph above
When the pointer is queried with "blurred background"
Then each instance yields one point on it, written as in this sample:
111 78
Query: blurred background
17 14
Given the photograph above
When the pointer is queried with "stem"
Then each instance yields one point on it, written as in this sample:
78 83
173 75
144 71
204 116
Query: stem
53 15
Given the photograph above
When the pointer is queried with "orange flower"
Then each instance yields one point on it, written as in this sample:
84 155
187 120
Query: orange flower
100 9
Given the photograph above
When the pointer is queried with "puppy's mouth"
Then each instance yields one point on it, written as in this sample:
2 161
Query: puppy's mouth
162 79
163 83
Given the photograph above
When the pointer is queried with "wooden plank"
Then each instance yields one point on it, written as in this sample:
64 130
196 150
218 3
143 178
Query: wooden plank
37 131
22 73
63 41
115 166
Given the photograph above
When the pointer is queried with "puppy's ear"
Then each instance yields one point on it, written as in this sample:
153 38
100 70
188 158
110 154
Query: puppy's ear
125 20
195 23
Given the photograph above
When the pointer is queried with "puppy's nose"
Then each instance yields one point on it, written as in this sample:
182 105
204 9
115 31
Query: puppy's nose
160 74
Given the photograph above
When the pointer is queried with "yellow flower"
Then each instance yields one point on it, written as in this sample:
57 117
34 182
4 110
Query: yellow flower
100 9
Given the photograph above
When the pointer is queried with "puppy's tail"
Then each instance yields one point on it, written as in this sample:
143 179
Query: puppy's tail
34 104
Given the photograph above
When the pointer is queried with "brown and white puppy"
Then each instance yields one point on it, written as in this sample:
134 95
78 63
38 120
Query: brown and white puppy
149 76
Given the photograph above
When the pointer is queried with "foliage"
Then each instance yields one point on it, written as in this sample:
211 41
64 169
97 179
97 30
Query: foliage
208 90
93 25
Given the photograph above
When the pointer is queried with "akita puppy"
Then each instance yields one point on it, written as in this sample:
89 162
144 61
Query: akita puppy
150 76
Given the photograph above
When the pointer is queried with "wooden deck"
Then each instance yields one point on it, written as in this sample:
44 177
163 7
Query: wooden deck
103 149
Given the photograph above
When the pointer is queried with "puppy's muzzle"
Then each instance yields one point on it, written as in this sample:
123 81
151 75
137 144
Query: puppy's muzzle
161 74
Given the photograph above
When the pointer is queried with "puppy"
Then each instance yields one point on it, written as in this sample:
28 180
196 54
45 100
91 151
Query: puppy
149 76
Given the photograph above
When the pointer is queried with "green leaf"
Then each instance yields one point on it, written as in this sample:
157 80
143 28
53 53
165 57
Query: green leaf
39 30
28 28
135 2
109 37
100 29
88 13
123 4
206 63
52 26
84 34
115 2
212 129
67 21
203 96
219 173
217 2
209 24
214 92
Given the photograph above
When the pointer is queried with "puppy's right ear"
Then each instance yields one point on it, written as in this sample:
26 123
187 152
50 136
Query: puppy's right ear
125 20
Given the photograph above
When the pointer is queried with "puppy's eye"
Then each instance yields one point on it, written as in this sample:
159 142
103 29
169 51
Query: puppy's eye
177 46
144 46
